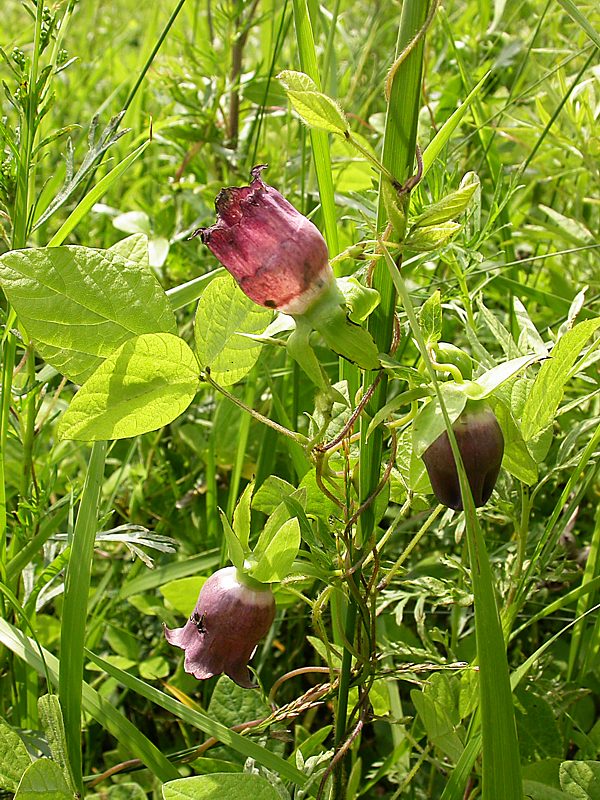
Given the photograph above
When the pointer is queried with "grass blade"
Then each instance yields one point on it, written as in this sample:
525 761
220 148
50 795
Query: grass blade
319 139
102 710
94 195
199 719
77 587
580 18
501 759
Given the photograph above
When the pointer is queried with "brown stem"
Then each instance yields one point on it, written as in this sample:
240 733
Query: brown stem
339 755
353 417
242 28
294 674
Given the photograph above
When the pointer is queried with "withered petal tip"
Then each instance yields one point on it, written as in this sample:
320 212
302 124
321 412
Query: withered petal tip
256 171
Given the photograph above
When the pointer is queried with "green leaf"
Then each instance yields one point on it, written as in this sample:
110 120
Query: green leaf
43 780
199 719
147 383
360 300
571 230
431 237
548 388
14 758
437 706
299 348
580 779
54 727
271 493
87 202
517 459
153 669
79 304
133 222
534 790
182 593
241 516
430 318
395 207
120 791
537 728
276 555
495 377
579 17
340 334
429 422
315 108
129 737
234 547
442 137
317 504
224 312
133 249
223 785
452 205
230 704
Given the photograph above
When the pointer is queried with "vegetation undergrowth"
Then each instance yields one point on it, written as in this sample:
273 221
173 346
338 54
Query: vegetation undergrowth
356 479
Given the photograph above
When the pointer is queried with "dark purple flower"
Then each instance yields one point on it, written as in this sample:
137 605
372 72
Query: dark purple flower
481 446
227 623
277 256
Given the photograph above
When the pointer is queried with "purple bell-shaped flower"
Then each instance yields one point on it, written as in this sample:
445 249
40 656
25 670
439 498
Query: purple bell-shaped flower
276 255
481 446
227 623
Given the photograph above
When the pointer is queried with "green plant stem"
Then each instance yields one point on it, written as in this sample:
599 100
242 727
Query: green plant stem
398 157
238 464
410 547
521 533
20 221
28 119
77 584
501 760
29 427
8 364
297 437
134 89
319 139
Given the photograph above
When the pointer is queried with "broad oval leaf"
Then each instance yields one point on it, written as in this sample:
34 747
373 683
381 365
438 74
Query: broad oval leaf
225 786
580 779
224 314
148 382
43 780
14 758
79 304
134 249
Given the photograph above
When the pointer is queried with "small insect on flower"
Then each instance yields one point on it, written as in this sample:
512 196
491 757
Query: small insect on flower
199 621
229 620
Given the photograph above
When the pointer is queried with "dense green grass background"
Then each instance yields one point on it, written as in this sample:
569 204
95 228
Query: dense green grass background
522 271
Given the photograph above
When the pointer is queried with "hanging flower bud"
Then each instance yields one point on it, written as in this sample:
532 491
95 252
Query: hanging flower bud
481 446
227 623
277 256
